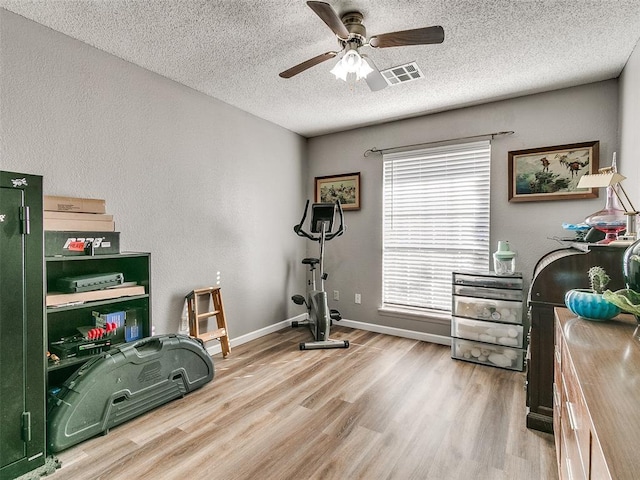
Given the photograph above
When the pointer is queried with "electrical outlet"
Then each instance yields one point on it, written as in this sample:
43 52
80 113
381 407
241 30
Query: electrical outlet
218 279
358 299
336 295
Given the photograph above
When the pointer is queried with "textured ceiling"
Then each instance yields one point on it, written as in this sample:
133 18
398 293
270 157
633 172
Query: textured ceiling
233 50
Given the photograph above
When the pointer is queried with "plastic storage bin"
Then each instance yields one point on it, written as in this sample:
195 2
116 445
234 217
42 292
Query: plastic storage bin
483 292
488 279
487 309
487 332
487 354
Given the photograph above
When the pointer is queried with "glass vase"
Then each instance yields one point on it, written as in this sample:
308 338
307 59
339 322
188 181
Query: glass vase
610 220
631 266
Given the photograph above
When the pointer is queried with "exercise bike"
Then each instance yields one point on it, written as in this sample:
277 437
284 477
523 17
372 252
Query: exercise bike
319 315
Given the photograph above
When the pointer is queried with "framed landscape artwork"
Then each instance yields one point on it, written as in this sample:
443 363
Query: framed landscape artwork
552 173
345 187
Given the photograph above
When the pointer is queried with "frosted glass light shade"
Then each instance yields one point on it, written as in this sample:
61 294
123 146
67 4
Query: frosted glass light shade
351 62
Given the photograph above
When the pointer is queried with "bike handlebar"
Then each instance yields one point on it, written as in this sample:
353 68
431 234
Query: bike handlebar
299 228
340 230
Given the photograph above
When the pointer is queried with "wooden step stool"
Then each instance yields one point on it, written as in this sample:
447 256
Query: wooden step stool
215 299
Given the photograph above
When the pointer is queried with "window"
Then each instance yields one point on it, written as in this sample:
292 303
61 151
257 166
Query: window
436 221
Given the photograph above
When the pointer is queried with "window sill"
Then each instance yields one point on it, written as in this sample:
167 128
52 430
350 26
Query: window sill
419 314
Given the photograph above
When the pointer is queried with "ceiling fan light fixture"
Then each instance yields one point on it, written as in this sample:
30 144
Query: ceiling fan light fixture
352 34
351 62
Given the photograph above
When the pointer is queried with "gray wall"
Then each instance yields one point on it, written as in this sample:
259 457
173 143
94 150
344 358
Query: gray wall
201 185
630 126
572 115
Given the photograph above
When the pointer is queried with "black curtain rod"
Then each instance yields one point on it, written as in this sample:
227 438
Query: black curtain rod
383 150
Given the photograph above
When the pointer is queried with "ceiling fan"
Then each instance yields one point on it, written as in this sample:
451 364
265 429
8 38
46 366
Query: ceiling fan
352 35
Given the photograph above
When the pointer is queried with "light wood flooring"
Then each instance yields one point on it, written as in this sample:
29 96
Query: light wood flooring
386 408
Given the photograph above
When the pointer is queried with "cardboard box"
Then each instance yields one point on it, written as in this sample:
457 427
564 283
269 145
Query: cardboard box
68 244
78 222
132 328
51 215
73 204
55 225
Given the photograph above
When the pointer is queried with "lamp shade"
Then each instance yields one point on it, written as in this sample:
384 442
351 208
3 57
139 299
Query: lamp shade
339 71
598 180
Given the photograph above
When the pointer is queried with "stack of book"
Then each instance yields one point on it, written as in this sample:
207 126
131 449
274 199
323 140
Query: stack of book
78 226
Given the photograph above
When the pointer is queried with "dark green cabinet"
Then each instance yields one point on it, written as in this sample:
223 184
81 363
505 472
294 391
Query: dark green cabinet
22 351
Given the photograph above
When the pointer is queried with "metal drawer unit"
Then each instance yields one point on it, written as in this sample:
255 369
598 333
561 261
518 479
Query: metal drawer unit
487 324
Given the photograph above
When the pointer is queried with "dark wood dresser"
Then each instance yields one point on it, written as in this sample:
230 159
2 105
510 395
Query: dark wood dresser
596 394
554 274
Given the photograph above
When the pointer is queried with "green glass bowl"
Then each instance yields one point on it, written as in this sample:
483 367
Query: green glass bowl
590 306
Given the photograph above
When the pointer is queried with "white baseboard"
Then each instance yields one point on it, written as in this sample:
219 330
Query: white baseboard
397 332
216 348
370 327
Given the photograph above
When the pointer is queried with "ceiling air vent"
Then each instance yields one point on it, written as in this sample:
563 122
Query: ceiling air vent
402 73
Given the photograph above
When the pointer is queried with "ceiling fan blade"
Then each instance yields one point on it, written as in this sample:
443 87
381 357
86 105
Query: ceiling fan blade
417 36
301 67
375 80
330 17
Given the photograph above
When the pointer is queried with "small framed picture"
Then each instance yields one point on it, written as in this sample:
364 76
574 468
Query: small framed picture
552 173
345 187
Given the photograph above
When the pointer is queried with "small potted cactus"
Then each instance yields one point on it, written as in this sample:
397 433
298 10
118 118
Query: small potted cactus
598 279
589 304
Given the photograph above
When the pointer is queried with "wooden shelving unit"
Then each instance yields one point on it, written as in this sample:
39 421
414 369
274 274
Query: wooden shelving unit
63 321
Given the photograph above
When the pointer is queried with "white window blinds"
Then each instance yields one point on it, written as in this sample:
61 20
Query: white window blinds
436 221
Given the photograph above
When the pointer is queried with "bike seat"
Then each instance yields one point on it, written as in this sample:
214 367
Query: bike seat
310 261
